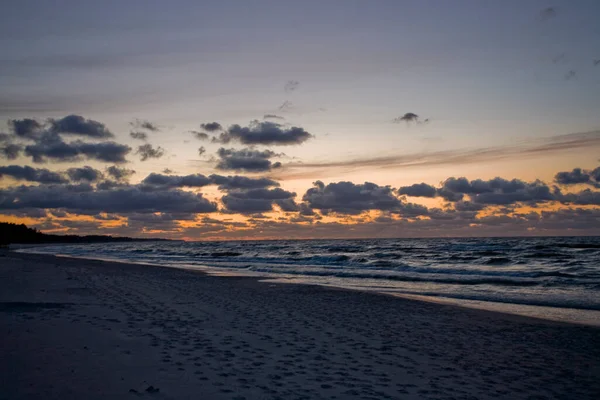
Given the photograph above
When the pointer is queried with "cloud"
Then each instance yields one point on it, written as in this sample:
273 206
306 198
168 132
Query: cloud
253 201
285 106
547 13
516 191
84 200
10 151
168 171
249 160
408 117
573 177
26 128
50 147
585 197
174 181
200 135
139 135
86 173
272 116
264 133
146 151
290 86
578 176
241 182
145 124
497 191
201 150
522 149
78 125
418 190
350 198
26 173
118 173
211 127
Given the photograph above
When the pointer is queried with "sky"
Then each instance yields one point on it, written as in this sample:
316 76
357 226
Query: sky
301 119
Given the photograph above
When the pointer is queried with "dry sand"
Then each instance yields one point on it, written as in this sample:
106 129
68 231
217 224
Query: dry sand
81 329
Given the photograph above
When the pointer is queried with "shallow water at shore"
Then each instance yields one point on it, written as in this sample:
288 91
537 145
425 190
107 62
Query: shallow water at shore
556 278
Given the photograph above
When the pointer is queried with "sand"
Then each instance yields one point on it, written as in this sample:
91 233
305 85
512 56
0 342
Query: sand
82 329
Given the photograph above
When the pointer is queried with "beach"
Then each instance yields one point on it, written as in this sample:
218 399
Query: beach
75 328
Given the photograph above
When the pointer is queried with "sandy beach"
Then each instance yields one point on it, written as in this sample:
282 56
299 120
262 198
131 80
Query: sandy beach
82 329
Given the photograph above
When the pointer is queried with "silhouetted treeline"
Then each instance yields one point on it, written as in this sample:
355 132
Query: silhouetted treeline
14 233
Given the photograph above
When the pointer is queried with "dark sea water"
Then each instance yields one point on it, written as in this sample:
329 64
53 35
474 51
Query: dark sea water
557 277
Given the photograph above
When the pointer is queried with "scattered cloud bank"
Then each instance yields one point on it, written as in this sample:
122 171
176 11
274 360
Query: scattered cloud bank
44 141
167 200
104 197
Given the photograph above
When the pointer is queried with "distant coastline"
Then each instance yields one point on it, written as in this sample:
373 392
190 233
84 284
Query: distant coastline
21 234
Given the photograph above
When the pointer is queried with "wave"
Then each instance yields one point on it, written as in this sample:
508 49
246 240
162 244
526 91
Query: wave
544 270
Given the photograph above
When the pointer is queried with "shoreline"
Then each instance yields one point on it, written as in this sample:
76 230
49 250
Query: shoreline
78 328
584 317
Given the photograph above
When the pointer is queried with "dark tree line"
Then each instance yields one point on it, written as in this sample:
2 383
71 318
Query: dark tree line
15 233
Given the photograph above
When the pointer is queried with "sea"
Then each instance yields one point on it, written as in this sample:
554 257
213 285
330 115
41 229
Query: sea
556 278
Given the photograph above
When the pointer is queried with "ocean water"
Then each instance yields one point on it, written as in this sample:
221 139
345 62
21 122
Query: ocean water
554 277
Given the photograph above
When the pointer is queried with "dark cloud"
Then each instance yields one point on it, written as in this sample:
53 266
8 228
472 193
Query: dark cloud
174 181
26 173
146 151
272 116
290 86
26 128
83 199
497 191
408 117
596 62
595 174
350 198
253 201
468 206
288 205
50 147
241 182
264 133
418 190
168 171
533 193
118 173
585 197
200 135
78 125
86 173
139 135
246 160
547 13
577 175
211 127
201 150
145 124
286 106
10 151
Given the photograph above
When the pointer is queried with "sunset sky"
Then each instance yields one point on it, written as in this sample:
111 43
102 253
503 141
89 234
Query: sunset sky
301 119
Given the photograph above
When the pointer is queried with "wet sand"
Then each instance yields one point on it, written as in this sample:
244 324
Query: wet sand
84 329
